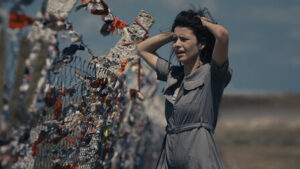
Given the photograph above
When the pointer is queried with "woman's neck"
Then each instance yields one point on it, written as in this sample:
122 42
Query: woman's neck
191 67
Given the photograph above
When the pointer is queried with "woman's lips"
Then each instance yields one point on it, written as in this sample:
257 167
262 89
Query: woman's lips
179 52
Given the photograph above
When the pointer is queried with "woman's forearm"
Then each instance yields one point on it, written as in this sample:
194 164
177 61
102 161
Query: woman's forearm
155 42
219 32
146 49
220 52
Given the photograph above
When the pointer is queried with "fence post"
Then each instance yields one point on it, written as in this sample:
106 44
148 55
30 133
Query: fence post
2 69
15 116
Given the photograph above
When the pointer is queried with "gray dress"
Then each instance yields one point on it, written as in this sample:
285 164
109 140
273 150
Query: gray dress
191 115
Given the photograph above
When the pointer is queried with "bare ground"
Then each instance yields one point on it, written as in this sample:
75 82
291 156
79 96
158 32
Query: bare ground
260 133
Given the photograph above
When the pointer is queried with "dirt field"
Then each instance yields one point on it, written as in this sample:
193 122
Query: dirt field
268 149
260 132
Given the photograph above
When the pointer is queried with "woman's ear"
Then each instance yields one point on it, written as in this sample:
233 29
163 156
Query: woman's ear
201 46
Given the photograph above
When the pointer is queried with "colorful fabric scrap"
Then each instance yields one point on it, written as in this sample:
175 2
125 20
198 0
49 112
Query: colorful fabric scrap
19 21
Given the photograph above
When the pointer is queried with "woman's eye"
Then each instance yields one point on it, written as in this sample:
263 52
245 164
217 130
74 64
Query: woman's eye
183 39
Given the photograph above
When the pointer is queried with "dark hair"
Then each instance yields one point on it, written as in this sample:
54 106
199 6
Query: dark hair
190 19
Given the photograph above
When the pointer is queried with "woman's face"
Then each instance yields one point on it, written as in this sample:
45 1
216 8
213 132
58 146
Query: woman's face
185 45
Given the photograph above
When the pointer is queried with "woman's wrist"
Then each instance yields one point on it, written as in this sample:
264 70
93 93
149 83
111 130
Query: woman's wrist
169 36
153 43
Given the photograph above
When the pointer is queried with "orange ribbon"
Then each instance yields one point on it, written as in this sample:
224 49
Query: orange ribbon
117 23
19 21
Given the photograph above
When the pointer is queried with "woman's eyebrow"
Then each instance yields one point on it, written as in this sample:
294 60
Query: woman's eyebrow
180 35
185 37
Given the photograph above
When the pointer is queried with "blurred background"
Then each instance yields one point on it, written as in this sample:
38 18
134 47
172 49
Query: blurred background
259 123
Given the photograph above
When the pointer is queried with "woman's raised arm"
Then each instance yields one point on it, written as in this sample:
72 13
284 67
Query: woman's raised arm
220 52
147 48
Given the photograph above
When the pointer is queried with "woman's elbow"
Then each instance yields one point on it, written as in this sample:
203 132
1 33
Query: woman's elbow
223 35
140 49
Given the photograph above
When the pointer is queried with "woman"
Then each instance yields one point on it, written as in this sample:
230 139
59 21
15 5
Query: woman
193 91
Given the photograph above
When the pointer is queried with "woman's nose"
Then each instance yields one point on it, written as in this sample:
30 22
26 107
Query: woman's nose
176 43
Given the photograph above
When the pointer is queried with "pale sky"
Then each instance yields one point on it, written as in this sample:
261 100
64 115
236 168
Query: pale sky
264 36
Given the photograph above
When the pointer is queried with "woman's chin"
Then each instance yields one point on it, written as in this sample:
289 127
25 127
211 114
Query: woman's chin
180 58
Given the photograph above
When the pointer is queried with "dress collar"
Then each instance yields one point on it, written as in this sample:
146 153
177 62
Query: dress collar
190 82
196 78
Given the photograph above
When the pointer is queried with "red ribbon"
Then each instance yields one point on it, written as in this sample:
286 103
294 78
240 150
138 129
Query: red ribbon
69 140
34 148
103 11
19 21
57 108
117 23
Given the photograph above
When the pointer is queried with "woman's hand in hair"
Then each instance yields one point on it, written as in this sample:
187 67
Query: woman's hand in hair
205 21
220 52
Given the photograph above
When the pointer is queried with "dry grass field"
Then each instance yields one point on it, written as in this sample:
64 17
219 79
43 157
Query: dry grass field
260 132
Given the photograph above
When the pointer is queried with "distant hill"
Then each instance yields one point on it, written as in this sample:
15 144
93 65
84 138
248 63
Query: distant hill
265 100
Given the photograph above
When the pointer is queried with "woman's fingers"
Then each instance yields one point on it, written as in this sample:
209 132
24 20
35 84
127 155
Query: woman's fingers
205 19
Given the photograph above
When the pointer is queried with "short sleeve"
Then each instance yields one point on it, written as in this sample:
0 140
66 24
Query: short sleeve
162 69
221 74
